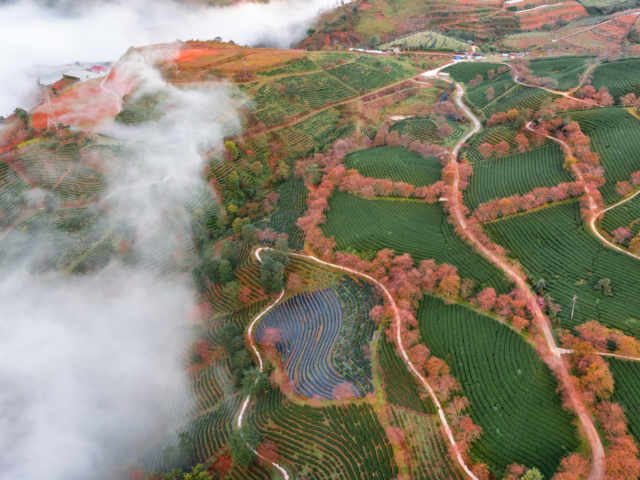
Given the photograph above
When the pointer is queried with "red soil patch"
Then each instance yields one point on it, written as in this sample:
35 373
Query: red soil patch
481 3
537 18
192 54
12 132
614 32
61 84
364 6
624 19
379 15
120 82
84 105
196 58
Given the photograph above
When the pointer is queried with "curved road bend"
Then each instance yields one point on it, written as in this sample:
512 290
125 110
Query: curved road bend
595 213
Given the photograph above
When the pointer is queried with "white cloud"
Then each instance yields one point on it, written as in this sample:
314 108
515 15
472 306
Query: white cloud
84 366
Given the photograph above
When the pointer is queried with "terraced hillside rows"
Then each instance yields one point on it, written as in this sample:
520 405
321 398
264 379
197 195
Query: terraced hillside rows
291 205
325 443
316 131
566 71
500 85
625 215
620 77
395 163
626 375
399 386
515 175
492 136
512 392
555 244
12 192
325 338
364 75
405 226
518 97
317 88
426 41
615 136
426 446
143 107
302 65
424 130
62 169
465 72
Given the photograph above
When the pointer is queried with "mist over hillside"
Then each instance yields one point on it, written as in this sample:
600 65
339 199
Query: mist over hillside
33 34
106 369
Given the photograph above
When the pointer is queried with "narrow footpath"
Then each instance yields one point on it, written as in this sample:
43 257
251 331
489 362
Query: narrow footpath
247 400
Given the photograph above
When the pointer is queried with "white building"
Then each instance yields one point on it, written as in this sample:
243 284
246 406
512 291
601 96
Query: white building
78 71
83 75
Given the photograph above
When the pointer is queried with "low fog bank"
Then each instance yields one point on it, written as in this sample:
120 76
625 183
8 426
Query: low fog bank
34 35
91 366
85 367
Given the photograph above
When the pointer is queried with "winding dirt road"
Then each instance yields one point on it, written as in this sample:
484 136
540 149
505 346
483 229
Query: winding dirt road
557 92
405 357
555 360
118 101
592 203
245 404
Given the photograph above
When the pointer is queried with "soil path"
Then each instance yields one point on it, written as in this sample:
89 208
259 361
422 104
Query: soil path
245 404
595 212
554 360
146 184
565 351
405 357
576 33
557 92
118 101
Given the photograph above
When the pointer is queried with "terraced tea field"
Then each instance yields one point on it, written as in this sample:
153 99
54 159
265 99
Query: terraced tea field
515 175
566 71
519 96
330 442
324 337
395 163
512 392
492 136
291 205
556 245
625 215
426 41
424 130
406 226
615 136
426 447
626 375
500 85
619 77
465 72
317 88
399 384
